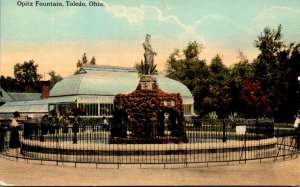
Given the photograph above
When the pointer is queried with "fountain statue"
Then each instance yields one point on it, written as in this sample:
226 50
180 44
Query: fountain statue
148 114
149 55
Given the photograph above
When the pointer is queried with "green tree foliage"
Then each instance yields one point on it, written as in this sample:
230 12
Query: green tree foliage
218 97
84 61
93 61
293 99
141 69
274 69
287 100
54 78
9 84
239 72
265 66
271 77
191 71
27 76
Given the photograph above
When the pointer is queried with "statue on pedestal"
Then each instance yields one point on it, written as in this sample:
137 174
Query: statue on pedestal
139 116
149 55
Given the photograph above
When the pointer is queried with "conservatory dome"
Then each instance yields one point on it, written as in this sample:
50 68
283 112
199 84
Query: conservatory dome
109 81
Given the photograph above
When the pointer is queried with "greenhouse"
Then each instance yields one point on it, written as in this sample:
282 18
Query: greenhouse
93 89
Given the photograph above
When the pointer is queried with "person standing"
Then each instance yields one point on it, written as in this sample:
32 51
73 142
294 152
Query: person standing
44 127
75 129
105 124
14 141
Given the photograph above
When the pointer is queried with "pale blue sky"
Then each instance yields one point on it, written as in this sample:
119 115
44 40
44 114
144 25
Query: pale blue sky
60 35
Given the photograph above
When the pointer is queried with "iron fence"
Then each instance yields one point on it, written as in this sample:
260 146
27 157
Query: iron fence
208 141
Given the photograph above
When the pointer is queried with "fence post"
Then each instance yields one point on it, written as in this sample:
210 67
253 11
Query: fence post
245 138
224 131
298 138
2 135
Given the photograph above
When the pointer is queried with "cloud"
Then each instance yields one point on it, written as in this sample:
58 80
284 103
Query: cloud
169 7
272 17
131 14
217 26
151 19
223 31
217 29
138 16
158 15
276 15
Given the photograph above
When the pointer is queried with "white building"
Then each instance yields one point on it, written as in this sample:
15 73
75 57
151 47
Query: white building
93 89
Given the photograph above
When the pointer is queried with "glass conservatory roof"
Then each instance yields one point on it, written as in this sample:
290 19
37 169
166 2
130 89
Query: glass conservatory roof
109 81
34 106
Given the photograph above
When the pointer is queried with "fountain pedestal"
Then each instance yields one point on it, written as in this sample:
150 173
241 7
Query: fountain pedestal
140 116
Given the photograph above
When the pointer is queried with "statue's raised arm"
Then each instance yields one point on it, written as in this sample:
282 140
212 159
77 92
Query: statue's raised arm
149 55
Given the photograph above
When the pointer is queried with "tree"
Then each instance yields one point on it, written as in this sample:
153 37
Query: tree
141 69
9 84
291 58
83 61
266 65
273 70
218 97
93 61
27 77
184 70
192 50
239 72
255 102
54 78
191 71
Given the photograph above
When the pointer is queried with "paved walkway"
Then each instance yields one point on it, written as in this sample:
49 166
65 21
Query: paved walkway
21 173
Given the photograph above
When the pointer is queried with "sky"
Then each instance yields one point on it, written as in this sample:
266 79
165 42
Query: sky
56 37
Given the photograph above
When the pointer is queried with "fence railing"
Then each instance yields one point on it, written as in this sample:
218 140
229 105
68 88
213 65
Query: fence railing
208 141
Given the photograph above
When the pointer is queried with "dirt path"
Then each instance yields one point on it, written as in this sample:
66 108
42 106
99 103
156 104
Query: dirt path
253 173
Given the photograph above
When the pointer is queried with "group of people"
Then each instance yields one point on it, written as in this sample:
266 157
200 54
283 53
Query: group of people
66 124
53 124
48 125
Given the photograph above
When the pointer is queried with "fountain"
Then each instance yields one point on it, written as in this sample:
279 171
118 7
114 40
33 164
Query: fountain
139 117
